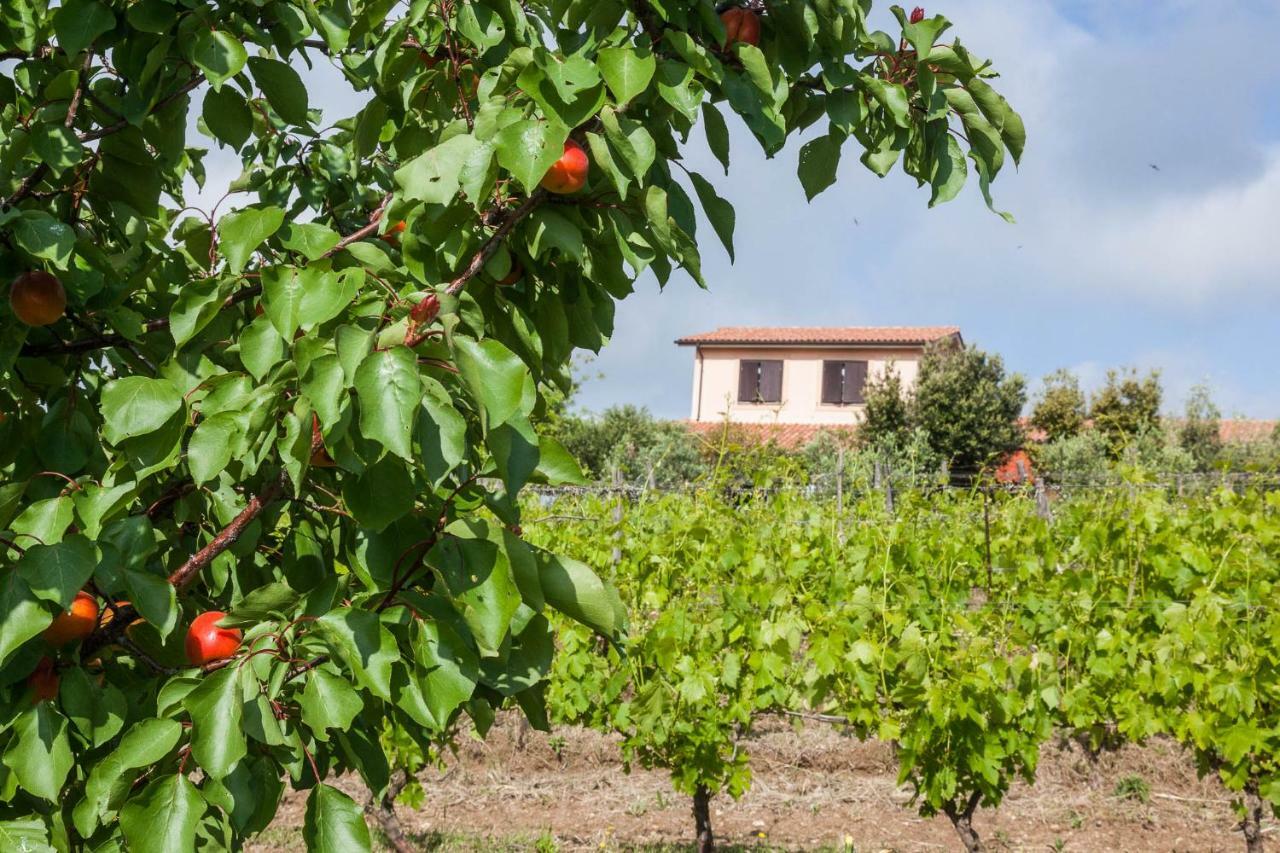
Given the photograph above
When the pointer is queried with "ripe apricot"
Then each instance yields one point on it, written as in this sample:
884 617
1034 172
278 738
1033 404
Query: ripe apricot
569 173
740 25
37 298
74 624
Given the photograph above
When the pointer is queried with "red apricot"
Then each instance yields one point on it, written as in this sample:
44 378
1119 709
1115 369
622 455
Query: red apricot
740 25
569 173
37 298
75 623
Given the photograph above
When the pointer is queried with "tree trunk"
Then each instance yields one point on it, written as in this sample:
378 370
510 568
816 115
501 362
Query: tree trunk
1252 825
962 820
384 813
702 820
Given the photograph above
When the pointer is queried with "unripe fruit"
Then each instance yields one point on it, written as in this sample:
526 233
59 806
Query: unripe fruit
37 298
740 25
43 681
206 642
76 623
569 173
917 14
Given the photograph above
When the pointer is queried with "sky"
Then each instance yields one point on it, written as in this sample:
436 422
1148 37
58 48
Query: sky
1111 262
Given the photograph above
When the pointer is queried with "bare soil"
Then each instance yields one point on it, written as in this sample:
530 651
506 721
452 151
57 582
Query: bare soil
813 788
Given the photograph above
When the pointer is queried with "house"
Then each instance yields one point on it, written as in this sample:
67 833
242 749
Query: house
811 376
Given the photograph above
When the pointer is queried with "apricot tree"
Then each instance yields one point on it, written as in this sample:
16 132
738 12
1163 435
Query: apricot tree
312 406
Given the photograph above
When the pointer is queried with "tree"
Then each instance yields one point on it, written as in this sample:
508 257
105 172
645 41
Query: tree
885 418
311 407
1126 407
1060 407
1200 434
966 405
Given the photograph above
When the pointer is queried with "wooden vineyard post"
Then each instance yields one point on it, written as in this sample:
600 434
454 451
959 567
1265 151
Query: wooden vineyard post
1042 501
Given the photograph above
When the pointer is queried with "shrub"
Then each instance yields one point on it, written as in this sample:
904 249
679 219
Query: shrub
1060 406
1125 407
966 405
1200 433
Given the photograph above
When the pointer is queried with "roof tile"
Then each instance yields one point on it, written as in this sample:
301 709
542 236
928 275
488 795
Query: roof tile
821 335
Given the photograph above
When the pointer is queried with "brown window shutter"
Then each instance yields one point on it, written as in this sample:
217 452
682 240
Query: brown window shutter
748 381
855 379
771 381
832 380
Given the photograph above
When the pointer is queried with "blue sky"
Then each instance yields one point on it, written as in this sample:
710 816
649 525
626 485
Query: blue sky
1111 263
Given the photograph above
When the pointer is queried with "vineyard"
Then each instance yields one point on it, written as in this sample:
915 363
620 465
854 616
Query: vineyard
965 629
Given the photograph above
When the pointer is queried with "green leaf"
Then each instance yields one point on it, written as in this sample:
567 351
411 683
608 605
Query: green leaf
719 211
632 142
892 96
514 446
217 711
434 175
283 87
494 375
328 702
78 22
389 390
527 149
475 565
266 603
819 160
334 823
197 304
145 743
228 116
717 133
163 817
56 145
219 55
40 751
242 232
626 71
261 347
441 431
360 640
25 835
41 236
213 444
137 405
556 465
309 239
155 598
576 591
57 572
21 615
382 493
446 670
948 172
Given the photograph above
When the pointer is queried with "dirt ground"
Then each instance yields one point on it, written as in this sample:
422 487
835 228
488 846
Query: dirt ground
813 790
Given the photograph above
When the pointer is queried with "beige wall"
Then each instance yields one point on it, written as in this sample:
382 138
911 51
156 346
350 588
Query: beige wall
715 382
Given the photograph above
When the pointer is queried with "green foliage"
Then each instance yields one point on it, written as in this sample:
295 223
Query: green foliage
629 440
1126 407
886 416
1059 408
966 405
267 410
1133 613
1200 431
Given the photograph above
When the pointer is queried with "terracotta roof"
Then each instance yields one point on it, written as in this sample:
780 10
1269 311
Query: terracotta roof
1230 430
821 335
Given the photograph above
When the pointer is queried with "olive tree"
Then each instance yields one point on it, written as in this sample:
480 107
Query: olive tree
308 409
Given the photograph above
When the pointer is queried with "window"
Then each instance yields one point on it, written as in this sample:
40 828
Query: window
842 381
760 382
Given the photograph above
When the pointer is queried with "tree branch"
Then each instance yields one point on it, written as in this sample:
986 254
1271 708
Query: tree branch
227 537
481 257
